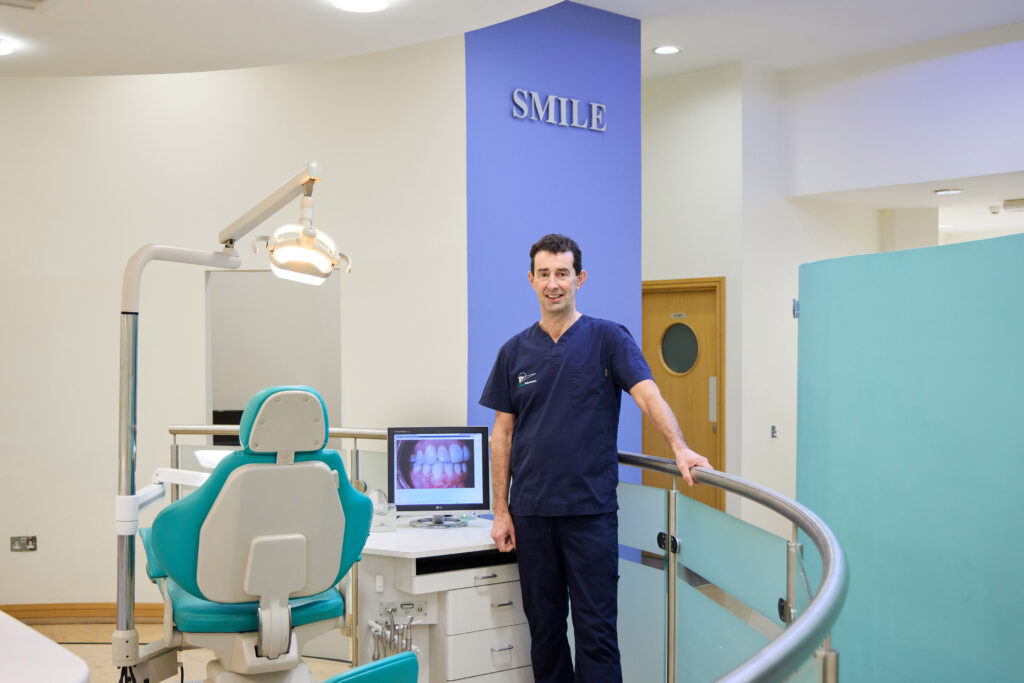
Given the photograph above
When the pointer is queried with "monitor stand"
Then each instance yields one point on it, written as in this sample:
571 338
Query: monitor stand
439 522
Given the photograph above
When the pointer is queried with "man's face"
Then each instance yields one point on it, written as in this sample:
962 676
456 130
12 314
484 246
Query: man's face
556 282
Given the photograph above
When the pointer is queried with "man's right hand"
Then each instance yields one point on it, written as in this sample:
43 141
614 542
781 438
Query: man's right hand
503 532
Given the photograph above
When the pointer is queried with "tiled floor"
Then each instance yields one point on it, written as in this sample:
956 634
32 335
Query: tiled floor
91 642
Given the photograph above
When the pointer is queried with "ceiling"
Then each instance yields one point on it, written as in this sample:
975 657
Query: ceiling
109 37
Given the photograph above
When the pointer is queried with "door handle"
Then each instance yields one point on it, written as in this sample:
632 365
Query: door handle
501 604
713 400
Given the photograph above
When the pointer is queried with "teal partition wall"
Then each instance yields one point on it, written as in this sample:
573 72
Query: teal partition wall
911 447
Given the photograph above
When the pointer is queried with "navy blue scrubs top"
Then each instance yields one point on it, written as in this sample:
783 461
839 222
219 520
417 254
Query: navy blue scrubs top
566 399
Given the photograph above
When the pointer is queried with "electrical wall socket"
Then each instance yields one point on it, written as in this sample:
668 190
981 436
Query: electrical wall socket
23 544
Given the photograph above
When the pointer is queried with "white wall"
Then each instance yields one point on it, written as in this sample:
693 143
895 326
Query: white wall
100 166
908 228
949 109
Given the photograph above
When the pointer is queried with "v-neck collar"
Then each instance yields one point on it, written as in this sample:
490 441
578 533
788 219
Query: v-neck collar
569 332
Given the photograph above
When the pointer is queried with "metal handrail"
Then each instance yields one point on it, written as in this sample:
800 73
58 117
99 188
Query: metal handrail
232 430
797 643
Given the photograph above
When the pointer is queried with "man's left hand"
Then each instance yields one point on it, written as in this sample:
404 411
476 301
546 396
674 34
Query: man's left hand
686 459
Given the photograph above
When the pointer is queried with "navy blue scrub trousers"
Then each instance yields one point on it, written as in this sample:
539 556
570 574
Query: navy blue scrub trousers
563 559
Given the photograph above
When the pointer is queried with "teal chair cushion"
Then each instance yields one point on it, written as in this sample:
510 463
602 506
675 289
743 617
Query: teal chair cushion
196 615
400 668
153 568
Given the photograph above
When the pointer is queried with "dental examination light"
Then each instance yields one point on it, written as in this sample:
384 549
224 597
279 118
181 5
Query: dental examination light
297 252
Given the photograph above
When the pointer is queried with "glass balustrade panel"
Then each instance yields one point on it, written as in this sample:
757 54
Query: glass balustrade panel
730 576
642 585
745 561
809 672
802 592
642 516
711 640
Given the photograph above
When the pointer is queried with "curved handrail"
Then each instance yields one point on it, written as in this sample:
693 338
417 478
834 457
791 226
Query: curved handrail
784 654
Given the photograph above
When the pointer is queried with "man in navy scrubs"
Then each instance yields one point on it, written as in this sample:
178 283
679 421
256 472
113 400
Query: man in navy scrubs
556 389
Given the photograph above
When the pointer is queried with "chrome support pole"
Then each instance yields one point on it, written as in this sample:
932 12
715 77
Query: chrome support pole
670 576
353 616
829 661
794 551
355 459
175 464
126 467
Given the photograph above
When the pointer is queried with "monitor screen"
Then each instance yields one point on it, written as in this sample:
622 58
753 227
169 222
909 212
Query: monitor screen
438 469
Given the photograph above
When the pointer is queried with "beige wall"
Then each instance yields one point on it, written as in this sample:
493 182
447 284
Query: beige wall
93 168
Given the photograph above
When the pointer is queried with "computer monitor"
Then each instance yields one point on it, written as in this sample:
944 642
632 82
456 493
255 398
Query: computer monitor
440 470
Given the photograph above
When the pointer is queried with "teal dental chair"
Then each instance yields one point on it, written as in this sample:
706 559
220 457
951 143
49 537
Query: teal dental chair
248 563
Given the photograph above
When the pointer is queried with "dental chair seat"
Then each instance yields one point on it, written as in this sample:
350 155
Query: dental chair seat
196 615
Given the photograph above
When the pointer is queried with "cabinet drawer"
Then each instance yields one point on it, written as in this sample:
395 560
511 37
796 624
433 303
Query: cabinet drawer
408 580
483 652
523 674
483 607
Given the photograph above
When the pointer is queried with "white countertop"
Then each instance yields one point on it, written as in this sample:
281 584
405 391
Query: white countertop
413 542
27 656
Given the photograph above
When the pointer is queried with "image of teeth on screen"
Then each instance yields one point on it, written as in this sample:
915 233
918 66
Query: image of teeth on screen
436 463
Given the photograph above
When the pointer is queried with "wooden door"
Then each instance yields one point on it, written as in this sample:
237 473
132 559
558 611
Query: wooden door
683 342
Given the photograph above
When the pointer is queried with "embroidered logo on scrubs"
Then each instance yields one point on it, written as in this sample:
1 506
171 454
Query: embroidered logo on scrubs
525 378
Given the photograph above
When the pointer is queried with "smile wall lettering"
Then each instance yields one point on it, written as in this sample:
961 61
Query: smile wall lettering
558 111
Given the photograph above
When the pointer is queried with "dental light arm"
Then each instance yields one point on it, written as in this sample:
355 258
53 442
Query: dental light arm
275 201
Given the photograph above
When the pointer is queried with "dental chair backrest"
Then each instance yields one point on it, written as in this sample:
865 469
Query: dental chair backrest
278 518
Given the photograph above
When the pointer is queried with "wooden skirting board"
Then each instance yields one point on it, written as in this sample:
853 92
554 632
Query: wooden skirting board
81 612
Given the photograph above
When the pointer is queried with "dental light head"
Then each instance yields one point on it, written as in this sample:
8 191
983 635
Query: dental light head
301 253
298 252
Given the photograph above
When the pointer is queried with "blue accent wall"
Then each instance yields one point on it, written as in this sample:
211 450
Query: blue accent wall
528 178
911 448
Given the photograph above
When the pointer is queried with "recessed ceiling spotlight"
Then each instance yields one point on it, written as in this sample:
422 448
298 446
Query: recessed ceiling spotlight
948 190
6 47
666 50
362 6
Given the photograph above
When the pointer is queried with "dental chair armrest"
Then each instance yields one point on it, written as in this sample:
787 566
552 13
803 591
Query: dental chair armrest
153 567
169 475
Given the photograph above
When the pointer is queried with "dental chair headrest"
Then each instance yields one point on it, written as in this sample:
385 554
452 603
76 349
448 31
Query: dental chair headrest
284 420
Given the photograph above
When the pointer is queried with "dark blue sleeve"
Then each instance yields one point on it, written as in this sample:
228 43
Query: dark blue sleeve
497 394
628 364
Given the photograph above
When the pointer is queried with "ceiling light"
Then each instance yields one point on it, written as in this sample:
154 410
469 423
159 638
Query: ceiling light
6 46
361 5
666 50
948 190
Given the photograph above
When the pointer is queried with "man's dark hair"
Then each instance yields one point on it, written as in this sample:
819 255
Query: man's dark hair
558 244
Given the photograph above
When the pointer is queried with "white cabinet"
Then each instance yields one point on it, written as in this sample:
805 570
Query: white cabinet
463 594
482 632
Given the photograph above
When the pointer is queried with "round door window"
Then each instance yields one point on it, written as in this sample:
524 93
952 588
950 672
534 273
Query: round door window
679 348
